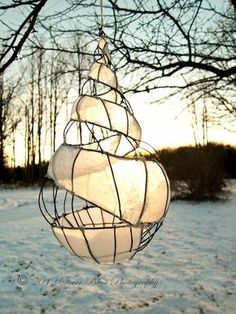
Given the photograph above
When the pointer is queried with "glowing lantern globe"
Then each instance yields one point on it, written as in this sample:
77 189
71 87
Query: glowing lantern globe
107 199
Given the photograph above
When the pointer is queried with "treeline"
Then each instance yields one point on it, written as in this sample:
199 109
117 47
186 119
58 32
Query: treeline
202 169
186 161
24 176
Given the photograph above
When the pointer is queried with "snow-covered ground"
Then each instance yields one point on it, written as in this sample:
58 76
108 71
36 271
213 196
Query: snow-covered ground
189 267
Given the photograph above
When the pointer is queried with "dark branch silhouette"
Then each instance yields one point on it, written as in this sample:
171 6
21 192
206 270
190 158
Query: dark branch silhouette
20 36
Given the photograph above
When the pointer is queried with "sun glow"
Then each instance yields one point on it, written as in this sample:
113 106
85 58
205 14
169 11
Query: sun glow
169 124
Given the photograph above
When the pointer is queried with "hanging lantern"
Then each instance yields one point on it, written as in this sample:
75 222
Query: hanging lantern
107 200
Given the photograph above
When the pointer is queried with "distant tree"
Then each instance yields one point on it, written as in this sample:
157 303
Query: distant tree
8 119
2 127
198 173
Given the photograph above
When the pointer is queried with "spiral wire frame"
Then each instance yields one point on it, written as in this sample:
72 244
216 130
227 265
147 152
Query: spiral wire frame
77 221
54 207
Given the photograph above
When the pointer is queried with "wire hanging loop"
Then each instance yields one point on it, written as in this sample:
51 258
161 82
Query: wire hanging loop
101 18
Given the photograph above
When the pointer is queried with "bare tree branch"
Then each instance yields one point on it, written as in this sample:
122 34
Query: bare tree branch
16 4
17 46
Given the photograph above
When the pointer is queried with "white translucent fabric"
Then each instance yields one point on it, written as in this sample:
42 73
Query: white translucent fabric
110 144
98 239
102 44
100 162
135 190
102 139
100 70
101 73
112 96
106 114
